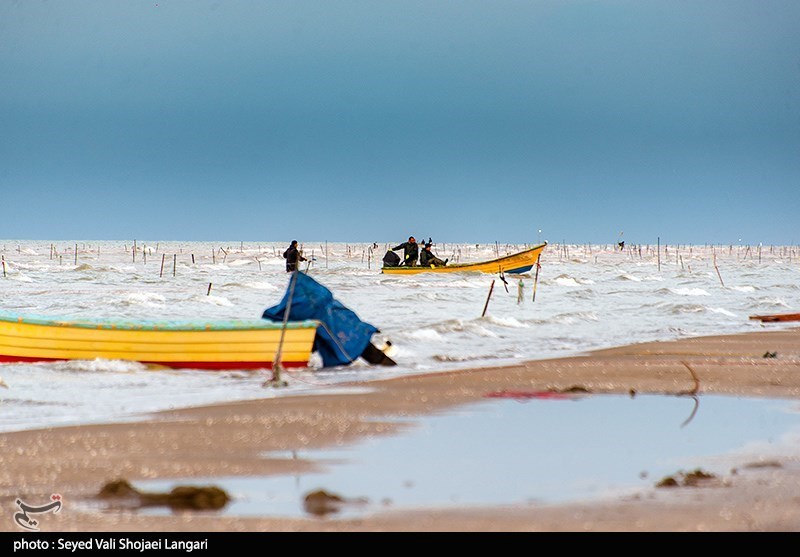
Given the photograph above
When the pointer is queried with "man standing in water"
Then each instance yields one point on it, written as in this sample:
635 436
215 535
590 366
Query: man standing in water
292 256
410 250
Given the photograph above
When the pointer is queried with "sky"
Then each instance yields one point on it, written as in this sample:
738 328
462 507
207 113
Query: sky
585 121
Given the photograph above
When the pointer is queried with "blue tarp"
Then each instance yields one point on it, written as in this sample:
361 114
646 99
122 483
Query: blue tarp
341 338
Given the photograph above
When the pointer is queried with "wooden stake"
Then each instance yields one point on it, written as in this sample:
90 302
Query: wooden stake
488 298
717 268
161 274
536 280
209 289
4 265
659 254
277 366
174 263
76 255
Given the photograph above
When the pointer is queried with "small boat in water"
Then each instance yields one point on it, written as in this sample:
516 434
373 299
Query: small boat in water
517 263
776 317
235 344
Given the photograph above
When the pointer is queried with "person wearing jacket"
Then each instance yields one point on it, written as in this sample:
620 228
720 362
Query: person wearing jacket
292 255
427 259
410 252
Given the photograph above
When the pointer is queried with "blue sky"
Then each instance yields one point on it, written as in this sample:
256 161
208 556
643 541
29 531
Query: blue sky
466 121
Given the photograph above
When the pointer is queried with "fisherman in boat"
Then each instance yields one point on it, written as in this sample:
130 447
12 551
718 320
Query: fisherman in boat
428 259
410 252
292 256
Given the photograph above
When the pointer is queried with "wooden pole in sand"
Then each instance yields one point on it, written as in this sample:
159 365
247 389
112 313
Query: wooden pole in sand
208 293
161 274
535 281
174 263
4 265
277 366
76 254
488 298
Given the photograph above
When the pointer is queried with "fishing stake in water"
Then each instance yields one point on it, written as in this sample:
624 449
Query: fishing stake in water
488 298
505 282
536 280
717 269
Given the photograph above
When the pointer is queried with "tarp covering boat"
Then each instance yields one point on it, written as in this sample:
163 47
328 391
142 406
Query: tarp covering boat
342 336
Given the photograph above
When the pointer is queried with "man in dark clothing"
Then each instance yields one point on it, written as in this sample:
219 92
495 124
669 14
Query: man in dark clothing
292 256
410 250
427 259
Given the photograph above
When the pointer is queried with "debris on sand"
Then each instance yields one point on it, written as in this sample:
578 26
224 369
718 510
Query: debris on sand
321 502
182 497
696 478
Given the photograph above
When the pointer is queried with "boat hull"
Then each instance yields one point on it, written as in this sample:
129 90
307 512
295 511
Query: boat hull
517 263
244 344
776 317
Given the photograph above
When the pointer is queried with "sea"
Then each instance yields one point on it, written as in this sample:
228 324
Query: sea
581 298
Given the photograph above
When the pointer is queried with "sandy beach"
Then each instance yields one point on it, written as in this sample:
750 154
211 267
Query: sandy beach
230 439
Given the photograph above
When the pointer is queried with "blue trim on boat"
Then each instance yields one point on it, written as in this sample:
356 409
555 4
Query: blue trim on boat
519 270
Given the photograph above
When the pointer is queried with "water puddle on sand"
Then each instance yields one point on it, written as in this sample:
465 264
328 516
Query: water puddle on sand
526 451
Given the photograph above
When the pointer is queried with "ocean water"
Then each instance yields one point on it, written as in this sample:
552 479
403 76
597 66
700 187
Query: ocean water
587 297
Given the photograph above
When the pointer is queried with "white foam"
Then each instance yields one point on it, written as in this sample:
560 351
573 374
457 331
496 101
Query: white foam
689 291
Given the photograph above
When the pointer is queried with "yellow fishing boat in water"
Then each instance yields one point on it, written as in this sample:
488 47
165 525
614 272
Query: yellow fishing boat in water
235 344
517 263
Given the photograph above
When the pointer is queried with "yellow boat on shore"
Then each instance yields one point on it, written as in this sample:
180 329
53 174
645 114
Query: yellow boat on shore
235 344
521 262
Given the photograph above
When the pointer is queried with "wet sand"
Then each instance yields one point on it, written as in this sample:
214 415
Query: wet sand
230 439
